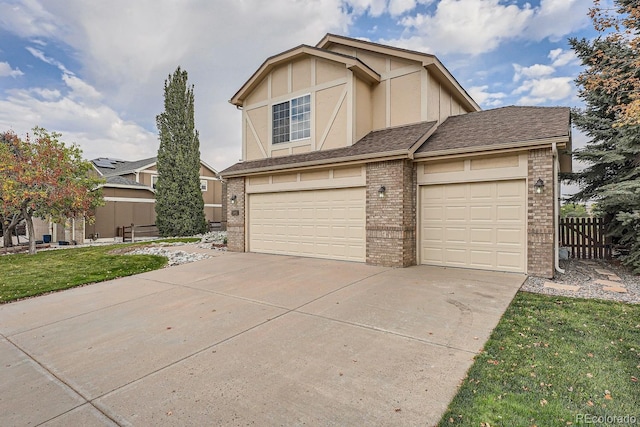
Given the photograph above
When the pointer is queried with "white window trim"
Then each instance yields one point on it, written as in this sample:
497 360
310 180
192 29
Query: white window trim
152 178
291 140
206 185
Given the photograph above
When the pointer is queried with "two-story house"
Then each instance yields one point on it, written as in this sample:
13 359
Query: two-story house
358 151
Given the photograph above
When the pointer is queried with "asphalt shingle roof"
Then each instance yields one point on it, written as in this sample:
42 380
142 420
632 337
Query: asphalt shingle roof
123 167
118 180
499 126
376 143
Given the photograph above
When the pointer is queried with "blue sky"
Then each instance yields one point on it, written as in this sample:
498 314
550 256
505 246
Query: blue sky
94 71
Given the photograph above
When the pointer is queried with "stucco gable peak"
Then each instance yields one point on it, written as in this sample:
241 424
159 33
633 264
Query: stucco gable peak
354 64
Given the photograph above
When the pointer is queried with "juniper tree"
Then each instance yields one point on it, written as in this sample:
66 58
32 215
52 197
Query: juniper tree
609 86
179 202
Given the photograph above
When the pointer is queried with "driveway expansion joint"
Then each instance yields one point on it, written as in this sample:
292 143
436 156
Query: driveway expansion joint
91 311
62 381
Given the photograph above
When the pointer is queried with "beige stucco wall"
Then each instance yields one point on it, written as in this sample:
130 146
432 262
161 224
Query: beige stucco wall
344 108
326 81
407 92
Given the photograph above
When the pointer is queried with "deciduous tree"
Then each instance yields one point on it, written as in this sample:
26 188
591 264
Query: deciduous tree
179 202
41 176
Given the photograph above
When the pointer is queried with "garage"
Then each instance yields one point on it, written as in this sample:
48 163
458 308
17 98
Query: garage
474 225
314 223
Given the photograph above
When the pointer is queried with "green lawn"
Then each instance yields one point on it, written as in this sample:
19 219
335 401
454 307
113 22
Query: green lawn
554 361
24 275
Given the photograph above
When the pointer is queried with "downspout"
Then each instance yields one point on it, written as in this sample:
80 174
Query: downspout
556 207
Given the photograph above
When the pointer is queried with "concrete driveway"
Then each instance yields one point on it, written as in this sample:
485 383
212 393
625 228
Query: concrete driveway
245 339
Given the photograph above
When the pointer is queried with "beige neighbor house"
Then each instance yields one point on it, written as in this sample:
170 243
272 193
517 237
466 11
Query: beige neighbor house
129 197
357 151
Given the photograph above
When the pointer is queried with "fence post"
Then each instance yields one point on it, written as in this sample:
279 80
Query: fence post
133 239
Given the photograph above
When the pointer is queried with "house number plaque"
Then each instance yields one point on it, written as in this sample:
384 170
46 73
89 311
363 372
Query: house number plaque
235 212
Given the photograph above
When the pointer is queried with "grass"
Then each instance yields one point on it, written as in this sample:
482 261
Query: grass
554 361
24 275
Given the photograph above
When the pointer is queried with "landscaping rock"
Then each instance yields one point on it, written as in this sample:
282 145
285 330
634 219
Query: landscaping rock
585 275
174 257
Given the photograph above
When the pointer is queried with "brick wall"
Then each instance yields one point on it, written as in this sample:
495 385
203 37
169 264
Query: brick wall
235 215
540 229
391 221
223 218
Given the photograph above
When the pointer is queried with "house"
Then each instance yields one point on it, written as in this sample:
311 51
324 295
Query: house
129 197
357 151
129 194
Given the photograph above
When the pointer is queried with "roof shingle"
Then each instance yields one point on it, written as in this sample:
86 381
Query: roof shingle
499 126
123 167
376 144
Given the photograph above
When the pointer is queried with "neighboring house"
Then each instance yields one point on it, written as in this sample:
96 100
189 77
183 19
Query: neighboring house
129 197
357 151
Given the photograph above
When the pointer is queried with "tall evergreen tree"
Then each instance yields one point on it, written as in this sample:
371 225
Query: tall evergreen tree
612 176
179 202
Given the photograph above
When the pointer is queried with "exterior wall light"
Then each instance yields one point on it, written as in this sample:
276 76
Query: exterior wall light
539 185
234 198
381 192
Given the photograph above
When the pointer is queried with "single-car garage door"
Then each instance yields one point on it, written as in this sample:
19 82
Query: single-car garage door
475 225
316 223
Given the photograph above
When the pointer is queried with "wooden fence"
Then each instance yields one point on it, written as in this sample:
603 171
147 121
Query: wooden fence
585 238
132 232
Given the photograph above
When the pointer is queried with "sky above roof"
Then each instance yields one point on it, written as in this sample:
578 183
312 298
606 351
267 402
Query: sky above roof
94 71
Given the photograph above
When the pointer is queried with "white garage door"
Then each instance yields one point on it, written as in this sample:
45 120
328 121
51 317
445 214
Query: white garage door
475 225
317 223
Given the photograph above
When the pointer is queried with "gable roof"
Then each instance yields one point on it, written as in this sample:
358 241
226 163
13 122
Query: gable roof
498 128
429 61
352 63
361 69
396 141
121 167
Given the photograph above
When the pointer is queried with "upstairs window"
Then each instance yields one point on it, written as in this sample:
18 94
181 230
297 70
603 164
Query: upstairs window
292 120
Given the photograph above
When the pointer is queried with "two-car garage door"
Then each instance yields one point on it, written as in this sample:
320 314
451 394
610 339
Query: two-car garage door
315 223
475 225
478 225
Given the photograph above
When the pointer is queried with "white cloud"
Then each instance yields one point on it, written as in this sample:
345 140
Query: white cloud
556 18
27 18
7 71
372 7
479 26
98 130
44 58
398 7
125 51
534 71
561 57
488 99
540 91
45 94
81 90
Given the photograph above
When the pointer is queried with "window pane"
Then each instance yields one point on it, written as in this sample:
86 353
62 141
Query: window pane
280 116
301 117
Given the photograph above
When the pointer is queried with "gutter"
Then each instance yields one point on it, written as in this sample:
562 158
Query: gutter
362 158
531 144
556 208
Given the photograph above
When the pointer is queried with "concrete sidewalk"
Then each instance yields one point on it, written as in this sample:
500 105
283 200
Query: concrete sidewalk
249 338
